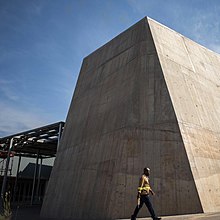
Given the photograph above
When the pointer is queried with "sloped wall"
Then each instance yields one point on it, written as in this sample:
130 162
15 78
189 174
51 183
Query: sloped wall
192 75
121 119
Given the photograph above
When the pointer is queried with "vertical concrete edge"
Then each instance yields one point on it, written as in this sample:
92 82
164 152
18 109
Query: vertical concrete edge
148 21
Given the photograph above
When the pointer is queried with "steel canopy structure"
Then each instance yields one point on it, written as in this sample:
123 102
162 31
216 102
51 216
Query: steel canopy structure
42 141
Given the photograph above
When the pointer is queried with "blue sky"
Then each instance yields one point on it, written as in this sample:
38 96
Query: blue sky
43 43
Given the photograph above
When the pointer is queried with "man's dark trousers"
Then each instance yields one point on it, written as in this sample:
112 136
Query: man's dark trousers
144 199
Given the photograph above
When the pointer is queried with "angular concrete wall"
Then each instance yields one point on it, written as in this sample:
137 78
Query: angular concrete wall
192 76
138 103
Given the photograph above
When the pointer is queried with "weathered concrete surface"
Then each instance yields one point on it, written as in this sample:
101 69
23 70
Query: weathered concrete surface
138 105
192 76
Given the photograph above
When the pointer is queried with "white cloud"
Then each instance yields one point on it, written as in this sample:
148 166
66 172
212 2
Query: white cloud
6 91
14 120
206 29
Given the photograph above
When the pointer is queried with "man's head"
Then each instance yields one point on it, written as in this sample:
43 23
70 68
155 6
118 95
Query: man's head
147 171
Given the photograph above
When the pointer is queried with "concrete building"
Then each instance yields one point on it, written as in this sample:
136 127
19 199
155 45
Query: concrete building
149 97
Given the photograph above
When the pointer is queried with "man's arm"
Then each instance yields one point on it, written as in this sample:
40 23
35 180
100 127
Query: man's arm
141 183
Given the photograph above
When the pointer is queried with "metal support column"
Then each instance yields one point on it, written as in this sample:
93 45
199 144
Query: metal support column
59 135
38 181
5 175
16 180
34 180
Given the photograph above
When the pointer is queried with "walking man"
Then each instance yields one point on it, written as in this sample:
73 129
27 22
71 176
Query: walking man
144 191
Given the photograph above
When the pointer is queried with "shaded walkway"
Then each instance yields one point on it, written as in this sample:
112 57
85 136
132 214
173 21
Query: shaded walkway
33 213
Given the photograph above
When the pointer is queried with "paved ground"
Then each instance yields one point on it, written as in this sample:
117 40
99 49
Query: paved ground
33 213
26 213
208 216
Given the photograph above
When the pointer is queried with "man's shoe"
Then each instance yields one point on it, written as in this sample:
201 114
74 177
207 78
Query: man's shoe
133 218
157 218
